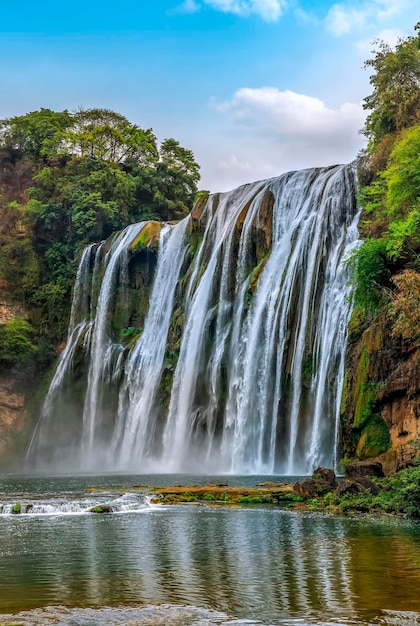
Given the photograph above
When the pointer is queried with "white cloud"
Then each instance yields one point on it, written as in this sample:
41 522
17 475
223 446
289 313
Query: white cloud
343 18
268 10
188 6
275 131
285 114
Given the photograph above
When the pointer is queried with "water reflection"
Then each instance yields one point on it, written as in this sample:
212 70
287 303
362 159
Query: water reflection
250 563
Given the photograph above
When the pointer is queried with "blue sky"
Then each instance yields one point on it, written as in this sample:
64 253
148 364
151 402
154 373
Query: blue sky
253 87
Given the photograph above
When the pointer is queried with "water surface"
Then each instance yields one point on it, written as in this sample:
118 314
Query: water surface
197 564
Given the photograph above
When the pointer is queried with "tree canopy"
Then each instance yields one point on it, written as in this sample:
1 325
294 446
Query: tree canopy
71 178
395 100
387 266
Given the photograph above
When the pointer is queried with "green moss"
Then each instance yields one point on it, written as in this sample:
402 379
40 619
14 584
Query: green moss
256 273
188 497
17 508
249 500
374 438
148 237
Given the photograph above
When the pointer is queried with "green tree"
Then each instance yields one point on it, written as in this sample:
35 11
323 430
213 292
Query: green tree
87 174
108 136
36 134
395 100
177 175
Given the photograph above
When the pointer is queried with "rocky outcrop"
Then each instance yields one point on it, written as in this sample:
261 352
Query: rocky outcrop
9 310
13 404
358 485
364 468
321 482
381 403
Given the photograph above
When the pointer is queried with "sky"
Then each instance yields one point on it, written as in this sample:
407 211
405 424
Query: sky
253 87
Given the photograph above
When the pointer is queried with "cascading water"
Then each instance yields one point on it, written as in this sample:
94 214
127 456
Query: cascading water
219 347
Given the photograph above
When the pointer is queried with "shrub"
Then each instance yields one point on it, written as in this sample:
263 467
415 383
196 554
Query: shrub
16 341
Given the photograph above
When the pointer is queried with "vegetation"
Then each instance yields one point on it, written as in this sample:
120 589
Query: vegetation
398 494
389 172
16 341
68 179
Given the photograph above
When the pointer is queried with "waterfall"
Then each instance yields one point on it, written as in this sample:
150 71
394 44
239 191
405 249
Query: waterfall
219 348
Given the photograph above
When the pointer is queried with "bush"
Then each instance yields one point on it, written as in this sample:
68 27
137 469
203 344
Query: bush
370 269
16 341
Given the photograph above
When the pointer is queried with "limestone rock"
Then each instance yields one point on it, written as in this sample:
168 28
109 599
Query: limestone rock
364 468
322 481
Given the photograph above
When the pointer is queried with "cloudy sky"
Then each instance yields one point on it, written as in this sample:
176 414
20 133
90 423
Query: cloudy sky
253 87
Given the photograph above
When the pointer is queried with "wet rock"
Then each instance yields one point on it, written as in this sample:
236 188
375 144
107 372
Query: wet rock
364 468
349 486
307 489
357 485
368 483
326 476
101 508
321 482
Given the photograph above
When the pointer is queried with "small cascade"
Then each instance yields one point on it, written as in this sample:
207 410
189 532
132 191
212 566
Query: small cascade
129 502
218 343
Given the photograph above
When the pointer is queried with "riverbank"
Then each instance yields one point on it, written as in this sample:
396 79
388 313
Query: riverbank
364 489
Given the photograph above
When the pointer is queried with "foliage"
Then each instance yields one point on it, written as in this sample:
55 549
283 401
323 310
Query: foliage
85 175
16 341
395 100
250 500
403 173
400 493
405 307
370 274
390 171
35 134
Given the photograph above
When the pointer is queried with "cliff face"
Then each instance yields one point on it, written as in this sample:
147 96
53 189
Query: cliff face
381 403
382 397
14 395
13 403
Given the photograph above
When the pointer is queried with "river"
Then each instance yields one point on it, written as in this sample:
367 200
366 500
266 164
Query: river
193 564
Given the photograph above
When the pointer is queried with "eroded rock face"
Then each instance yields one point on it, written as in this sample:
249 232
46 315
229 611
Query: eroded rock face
8 311
12 414
382 397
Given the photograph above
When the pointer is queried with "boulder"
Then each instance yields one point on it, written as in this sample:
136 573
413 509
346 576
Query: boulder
349 486
326 476
307 489
101 508
364 468
357 485
322 481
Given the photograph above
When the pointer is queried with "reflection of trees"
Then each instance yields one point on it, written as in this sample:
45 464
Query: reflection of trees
258 563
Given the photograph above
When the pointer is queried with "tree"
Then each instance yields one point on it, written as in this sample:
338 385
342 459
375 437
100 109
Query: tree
109 136
178 175
36 134
87 174
395 100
